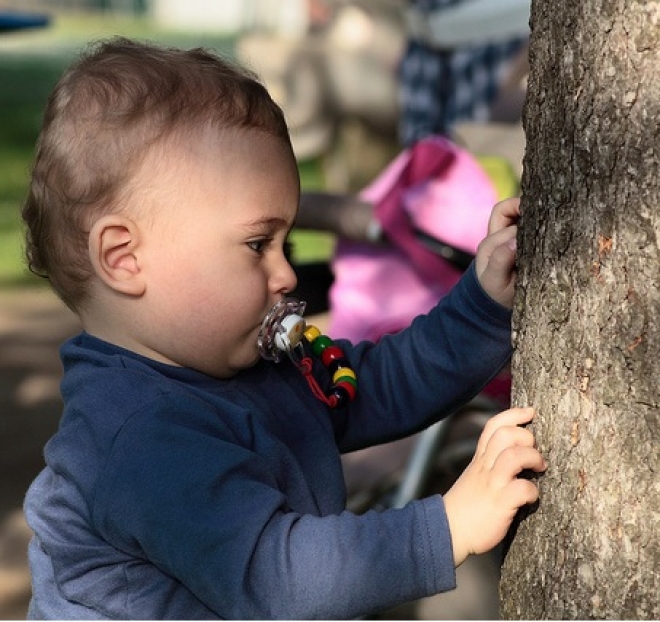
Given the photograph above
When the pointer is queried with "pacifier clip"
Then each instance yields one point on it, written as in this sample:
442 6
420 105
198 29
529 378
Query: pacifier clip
284 331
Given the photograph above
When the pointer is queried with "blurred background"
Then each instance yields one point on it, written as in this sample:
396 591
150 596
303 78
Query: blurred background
332 65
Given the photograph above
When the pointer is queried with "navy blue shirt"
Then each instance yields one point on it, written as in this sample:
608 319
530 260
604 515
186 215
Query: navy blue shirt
171 494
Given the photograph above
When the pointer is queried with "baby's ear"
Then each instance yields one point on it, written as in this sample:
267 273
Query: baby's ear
113 244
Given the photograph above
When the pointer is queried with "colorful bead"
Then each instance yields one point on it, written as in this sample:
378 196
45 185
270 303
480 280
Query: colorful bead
331 353
341 396
343 372
351 389
312 333
320 343
344 379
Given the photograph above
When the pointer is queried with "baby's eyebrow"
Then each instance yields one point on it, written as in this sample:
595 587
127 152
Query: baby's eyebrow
269 223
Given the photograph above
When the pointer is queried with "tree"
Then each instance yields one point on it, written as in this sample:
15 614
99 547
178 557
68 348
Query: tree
587 313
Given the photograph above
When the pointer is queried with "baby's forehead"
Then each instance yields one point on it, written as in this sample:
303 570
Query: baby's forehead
213 157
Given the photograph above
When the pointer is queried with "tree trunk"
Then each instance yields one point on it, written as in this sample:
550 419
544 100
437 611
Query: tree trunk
587 314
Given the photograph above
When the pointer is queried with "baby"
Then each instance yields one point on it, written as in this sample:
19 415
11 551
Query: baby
190 477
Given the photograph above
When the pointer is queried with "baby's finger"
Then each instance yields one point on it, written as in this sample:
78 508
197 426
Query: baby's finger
513 460
504 238
496 239
504 438
504 213
523 492
510 417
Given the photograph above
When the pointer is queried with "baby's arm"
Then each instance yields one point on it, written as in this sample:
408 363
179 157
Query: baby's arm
496 255
483 502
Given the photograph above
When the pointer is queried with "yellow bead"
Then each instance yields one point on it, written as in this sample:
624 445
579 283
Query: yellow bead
343 372
311 333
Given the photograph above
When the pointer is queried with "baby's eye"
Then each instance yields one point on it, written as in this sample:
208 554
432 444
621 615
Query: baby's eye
258 246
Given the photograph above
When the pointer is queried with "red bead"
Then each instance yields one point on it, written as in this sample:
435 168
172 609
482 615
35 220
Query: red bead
348 387
331 353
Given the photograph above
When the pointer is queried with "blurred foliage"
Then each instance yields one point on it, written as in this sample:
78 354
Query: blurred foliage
502 174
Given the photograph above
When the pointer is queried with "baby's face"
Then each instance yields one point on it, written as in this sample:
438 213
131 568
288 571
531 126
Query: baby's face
220 210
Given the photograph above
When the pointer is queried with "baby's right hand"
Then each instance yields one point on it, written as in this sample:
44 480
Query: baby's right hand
484 500
495 262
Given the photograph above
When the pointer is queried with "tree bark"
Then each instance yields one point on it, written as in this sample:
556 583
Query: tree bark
587 314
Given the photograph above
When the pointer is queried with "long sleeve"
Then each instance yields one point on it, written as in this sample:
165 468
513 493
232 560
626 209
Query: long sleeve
241 536
410 380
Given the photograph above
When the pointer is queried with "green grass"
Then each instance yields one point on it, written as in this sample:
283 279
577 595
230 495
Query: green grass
30 65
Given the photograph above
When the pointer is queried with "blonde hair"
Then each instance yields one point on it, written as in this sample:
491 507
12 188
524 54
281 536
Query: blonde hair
102 117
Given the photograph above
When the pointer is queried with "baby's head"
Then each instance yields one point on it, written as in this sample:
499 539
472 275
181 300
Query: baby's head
108 111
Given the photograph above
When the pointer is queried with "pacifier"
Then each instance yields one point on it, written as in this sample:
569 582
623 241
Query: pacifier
282 329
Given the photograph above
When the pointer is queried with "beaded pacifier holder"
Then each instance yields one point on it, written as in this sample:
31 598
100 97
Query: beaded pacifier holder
284 331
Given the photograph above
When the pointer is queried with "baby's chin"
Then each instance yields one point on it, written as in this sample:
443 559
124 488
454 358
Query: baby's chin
251 362
231 369
255 361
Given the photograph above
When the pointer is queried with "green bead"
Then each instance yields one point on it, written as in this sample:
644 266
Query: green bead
320 343
339 377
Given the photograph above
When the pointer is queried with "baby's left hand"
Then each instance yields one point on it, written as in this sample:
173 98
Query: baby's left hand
496 255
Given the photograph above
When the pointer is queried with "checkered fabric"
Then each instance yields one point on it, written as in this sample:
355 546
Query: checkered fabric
439 88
